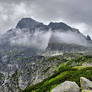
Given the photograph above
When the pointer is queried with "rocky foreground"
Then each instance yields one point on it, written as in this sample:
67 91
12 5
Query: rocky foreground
68 86
45 73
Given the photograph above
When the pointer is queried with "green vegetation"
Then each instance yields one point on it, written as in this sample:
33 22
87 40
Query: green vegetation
70 70
1 75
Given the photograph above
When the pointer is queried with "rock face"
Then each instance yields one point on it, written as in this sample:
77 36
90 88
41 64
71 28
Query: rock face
67 86
85 84
58 26
26 23
19 71
88 37
31 24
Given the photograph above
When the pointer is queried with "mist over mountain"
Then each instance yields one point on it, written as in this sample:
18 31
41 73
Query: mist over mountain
31 35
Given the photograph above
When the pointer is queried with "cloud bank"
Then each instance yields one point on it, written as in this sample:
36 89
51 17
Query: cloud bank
74 12
38 39
41 39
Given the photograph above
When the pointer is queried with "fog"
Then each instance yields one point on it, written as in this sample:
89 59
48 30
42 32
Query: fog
70 38
40 39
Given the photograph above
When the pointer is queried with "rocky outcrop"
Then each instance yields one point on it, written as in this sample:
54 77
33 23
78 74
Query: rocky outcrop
85 84
68 86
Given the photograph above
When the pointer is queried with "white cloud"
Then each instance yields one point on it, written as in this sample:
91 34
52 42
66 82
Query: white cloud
11 14
37 40
70 11
84 28
20 10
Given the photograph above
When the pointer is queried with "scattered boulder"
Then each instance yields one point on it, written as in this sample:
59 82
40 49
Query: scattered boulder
67 86
85 84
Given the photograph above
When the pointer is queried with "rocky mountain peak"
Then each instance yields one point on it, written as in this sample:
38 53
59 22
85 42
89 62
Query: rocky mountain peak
59 25
31 24
26 23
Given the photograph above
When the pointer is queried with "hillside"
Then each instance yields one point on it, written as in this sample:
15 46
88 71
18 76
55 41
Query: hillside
69 70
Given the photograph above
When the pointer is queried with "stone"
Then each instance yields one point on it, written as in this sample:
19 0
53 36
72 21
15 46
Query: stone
85 84
67 86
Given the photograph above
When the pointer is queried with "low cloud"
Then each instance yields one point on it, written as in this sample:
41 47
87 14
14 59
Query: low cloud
40 39
70 38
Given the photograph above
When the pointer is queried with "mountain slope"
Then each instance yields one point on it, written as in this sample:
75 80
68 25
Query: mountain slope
71 70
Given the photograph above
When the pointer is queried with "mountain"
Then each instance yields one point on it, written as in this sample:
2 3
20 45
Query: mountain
30 24
59 26
36 37
33 52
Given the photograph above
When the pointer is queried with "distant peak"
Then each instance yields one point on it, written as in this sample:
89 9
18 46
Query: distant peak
59 25
27 19
26 23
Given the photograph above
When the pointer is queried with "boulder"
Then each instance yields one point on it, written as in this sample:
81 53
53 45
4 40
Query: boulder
67 86
85 84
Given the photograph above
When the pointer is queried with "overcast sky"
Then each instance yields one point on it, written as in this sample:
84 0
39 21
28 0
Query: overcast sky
77 13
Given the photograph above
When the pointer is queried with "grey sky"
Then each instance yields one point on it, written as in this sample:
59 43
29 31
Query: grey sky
76 13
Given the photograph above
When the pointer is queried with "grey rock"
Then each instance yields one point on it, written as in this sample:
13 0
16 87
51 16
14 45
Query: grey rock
67 86
85 83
